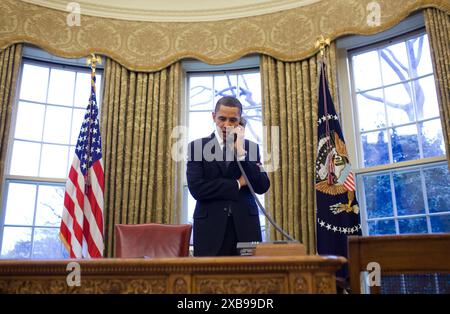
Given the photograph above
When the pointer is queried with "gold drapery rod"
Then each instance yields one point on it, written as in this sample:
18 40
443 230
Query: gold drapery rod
93 60
321 43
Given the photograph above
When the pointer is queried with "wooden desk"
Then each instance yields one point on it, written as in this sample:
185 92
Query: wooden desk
249 274
398 254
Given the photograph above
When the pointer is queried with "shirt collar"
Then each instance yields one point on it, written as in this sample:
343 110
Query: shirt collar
218 137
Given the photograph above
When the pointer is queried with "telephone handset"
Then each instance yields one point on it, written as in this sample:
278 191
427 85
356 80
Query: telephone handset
243 123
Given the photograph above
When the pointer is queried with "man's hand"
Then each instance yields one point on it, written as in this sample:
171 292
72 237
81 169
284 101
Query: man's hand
239 144
242 181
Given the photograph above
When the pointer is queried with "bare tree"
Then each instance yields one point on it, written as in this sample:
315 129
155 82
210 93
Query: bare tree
401 70
60 194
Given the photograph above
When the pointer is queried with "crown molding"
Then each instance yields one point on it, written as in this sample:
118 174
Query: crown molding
175 10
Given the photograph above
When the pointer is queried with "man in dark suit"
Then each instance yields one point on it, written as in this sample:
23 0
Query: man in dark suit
226 212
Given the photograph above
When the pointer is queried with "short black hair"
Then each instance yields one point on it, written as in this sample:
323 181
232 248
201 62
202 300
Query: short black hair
229 101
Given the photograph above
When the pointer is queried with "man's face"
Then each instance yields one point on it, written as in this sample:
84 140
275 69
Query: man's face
226 117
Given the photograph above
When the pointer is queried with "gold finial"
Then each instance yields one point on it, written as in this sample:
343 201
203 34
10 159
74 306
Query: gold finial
321 43
93 60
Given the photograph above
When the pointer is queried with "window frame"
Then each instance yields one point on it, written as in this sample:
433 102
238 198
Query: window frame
408 28
387 128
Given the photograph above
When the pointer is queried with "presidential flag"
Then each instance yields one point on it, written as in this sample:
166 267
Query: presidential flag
81 228
337 207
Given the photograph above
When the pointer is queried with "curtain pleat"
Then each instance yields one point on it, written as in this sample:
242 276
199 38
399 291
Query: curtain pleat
139 111
10 59
437 24
290 103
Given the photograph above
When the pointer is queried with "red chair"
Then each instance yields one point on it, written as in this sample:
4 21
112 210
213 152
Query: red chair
152 240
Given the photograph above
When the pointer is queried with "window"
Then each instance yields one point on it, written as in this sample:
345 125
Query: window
49 110
399 151
204 89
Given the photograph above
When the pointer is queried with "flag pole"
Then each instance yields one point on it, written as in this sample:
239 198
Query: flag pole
321 43
93 60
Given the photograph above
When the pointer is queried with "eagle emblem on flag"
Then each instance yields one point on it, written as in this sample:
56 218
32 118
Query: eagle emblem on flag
333 172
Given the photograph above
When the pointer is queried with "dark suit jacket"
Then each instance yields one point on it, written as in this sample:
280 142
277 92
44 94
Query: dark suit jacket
214 186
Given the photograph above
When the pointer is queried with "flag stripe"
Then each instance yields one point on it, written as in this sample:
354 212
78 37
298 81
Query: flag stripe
87 228
99 175
70 206
349 182
76 216
65 234
97 187
94 235
93 215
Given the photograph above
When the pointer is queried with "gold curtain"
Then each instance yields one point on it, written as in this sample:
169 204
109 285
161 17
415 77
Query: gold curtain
139 111
290 102
437 24
10 59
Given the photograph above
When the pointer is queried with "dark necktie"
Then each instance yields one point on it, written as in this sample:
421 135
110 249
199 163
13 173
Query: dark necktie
227 154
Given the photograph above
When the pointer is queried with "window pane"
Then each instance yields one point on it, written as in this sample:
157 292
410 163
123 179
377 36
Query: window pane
437 181
71 157
224 85
29 121
432 138
254 127
408 193
426 98
201 93
371 112
54 161
16 242
191 206
77 120
366 63
98 90
377 190
413 225
201 124
83 89
249 89
420 48
381 227
399 106
57 125
49 205
440 223
20 204
375 148
61 87
394 63
34 83
404 142
25 158
46 244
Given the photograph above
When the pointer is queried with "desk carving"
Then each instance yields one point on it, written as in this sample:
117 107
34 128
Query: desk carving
230 275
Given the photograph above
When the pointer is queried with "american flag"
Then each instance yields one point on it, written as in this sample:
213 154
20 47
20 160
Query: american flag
81 228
